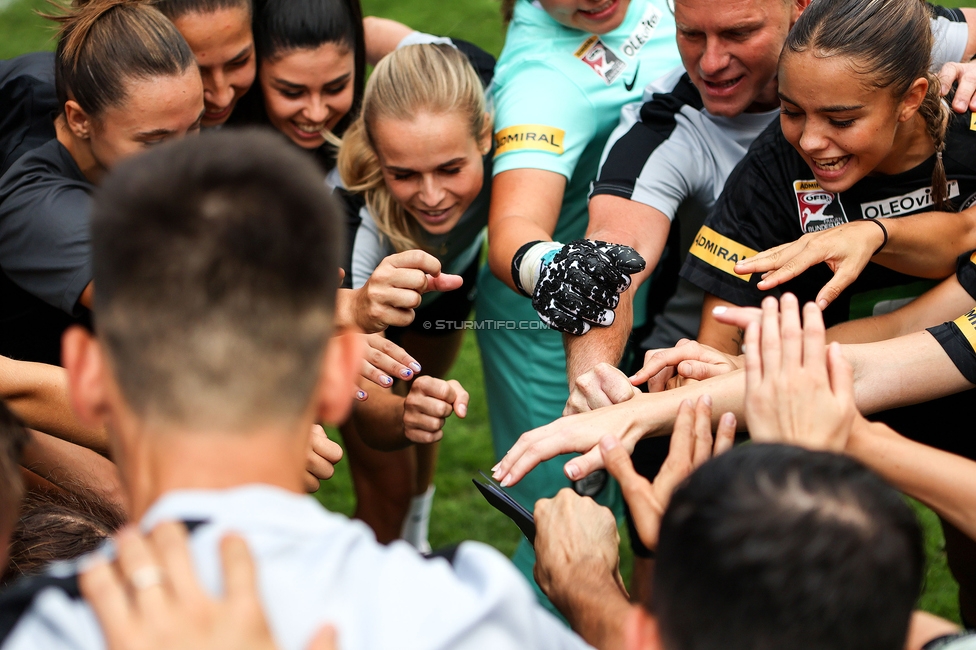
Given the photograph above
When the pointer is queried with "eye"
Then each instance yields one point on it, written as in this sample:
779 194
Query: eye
842 124
451 170
785 112
233 65
290 93
402 176
335 90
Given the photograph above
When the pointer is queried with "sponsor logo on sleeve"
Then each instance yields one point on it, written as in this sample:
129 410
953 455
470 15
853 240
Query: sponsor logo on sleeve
538 137
642 34
819 209
896 206
720 251
601 59
967 325
972 122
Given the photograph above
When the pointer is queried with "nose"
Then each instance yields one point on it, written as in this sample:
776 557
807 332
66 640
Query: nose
317 110
812 138
431 191
715 57
218 92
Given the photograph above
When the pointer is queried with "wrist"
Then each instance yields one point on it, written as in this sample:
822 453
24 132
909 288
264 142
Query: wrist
880 237
528 262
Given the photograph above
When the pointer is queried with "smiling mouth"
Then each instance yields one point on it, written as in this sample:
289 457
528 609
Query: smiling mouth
721 85
831 164
310 129
599 10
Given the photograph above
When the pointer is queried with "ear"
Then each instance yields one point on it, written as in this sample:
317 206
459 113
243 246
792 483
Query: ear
797 7
83 359
79 122
484 142
641 631
913 99
341 362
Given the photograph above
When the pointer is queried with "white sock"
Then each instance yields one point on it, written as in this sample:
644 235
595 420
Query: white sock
417 522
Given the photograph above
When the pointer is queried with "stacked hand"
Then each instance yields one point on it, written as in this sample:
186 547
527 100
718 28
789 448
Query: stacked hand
322 456
383 360
428 405
580 285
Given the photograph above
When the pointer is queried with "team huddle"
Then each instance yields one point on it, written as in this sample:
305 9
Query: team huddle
700 244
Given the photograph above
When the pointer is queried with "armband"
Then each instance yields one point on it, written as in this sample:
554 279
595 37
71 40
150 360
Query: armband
528 262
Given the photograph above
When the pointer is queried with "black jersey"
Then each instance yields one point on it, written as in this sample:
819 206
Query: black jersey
773 198
958 338
29 103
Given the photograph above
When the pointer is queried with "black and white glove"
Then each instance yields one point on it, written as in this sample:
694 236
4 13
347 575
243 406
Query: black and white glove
576 285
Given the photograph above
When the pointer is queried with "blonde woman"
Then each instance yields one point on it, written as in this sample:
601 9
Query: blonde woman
415 166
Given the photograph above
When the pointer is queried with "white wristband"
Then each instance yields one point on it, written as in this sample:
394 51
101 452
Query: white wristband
531 265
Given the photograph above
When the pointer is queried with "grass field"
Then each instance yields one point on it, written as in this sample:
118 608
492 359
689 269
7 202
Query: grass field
459 511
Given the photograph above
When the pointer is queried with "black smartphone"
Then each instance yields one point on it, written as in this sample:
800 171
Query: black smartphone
497 497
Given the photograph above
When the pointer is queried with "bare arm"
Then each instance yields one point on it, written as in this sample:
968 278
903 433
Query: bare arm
74 468
722 337
926 245
38 394
382 37
941 303
525 206
643 228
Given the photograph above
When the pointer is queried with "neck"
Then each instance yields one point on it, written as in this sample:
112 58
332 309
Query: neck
911 147
80 149
211 460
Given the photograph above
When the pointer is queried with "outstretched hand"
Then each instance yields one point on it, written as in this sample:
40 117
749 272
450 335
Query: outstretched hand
687 361
580 285
797 390
691 446
383 360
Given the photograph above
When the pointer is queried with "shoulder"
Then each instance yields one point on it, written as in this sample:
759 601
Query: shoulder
47 612
45 172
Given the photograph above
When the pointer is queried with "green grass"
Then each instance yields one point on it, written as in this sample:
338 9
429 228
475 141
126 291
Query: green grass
459 511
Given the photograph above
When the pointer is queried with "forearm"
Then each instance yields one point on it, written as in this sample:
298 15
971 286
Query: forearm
595 607
38 394
902 371
74 468
506 236
943 481
379 420
926 245
382 37
600 344
722 337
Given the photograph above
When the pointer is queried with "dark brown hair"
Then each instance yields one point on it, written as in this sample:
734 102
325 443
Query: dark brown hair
889 43
174 9
102 44
57 526
13 438
508 10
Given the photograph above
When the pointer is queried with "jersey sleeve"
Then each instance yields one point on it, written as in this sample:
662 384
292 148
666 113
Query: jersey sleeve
950 35
958 339
368 249
966 272
45 245
542 121
752 215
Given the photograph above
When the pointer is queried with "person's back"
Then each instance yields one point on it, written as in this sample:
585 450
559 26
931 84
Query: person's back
216 260
771 546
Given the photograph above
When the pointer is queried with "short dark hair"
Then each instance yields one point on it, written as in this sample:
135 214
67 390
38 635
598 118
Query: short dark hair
216 262
281 26
773 546
103 44
13 438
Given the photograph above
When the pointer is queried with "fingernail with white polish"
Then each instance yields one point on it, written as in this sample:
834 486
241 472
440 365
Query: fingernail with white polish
361 395
406 373
415 366
721 309
572 472
386 380
505 482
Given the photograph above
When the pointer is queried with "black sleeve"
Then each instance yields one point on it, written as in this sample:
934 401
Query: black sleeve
351 204
627 156
955 15
483 63
966 272
957 345
30 105
754 213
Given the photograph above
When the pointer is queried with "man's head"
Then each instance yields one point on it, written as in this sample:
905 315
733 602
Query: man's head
731 50
216 270
13 437
770 546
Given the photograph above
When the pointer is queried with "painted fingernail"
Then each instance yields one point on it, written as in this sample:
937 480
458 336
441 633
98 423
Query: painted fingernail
721 309
494 470
361 395
505 482
743 347
415 366
406 373
572 471
386 380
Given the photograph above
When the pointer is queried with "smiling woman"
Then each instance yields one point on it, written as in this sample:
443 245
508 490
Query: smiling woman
125 79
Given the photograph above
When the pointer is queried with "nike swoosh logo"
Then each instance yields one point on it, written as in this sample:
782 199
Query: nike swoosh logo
630 86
